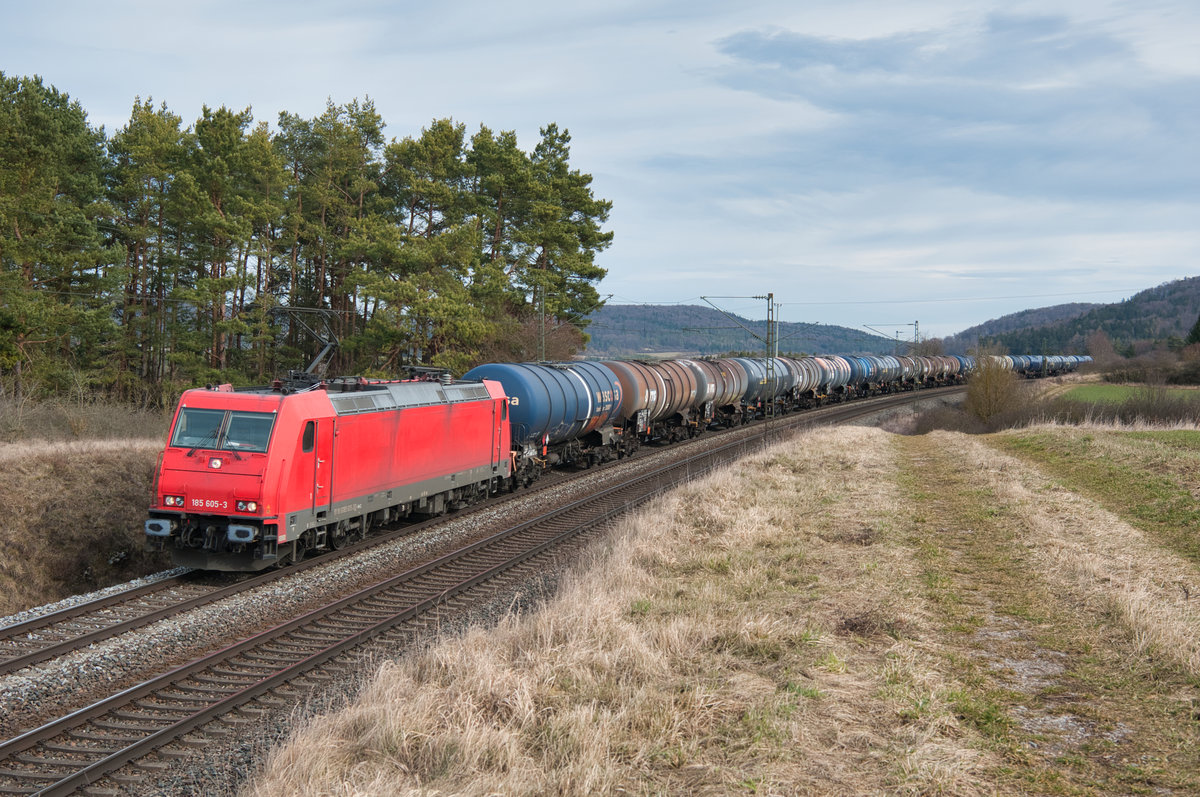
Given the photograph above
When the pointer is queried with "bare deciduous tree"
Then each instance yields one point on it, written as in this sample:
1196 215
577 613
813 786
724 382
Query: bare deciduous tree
991 389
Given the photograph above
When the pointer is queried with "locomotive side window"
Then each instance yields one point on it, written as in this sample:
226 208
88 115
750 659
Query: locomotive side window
310 437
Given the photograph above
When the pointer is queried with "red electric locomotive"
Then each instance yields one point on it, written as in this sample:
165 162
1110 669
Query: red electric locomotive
255 478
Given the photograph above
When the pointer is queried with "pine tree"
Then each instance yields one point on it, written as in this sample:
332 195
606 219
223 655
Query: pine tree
333 222
1194 335
55 262
541 228
148 154
427 314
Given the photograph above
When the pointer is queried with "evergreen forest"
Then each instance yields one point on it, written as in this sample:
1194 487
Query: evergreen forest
137 264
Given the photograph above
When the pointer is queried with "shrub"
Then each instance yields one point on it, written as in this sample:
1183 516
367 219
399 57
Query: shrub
991 390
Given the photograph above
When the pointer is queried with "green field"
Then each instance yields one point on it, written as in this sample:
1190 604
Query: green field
1115 394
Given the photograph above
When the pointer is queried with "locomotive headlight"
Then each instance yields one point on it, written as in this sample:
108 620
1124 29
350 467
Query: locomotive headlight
173 500
247 506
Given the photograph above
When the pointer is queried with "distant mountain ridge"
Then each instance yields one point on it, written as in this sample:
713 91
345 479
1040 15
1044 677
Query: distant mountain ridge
1162 314
962 342
638 330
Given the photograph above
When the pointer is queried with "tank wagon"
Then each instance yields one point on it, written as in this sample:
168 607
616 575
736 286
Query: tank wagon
559 413
259 477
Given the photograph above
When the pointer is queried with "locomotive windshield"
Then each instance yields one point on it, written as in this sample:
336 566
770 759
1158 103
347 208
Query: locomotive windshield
229 430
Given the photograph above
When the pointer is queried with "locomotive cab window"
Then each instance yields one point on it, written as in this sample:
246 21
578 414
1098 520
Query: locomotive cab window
248 431
223 430
197 428
310 437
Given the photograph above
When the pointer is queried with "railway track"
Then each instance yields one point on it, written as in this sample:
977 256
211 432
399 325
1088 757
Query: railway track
213 695
56 634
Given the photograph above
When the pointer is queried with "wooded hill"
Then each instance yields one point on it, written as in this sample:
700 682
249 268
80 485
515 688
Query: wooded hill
1162 315
627 330
969 338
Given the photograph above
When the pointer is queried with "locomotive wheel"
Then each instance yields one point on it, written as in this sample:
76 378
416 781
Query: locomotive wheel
298 551
304 545
338 536
364 528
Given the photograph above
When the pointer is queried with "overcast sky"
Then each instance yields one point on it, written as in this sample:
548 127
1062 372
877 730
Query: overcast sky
870 162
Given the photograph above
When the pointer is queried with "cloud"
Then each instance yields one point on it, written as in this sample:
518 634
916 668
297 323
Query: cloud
840 153
1019 105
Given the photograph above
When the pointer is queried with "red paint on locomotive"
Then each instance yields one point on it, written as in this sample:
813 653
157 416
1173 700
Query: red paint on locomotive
251 479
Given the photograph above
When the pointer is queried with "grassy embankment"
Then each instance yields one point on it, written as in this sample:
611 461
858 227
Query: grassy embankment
72 509
925 614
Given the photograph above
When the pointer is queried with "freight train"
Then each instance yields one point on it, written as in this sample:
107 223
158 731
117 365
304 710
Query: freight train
259 477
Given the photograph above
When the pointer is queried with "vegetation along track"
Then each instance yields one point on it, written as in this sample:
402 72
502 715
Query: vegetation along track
83 747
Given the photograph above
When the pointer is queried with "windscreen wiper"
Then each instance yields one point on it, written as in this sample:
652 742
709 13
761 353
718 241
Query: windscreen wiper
211 436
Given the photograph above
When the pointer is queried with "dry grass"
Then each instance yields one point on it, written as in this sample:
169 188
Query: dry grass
72 518
58 420
851 613
1107 563
749 634
1078 660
